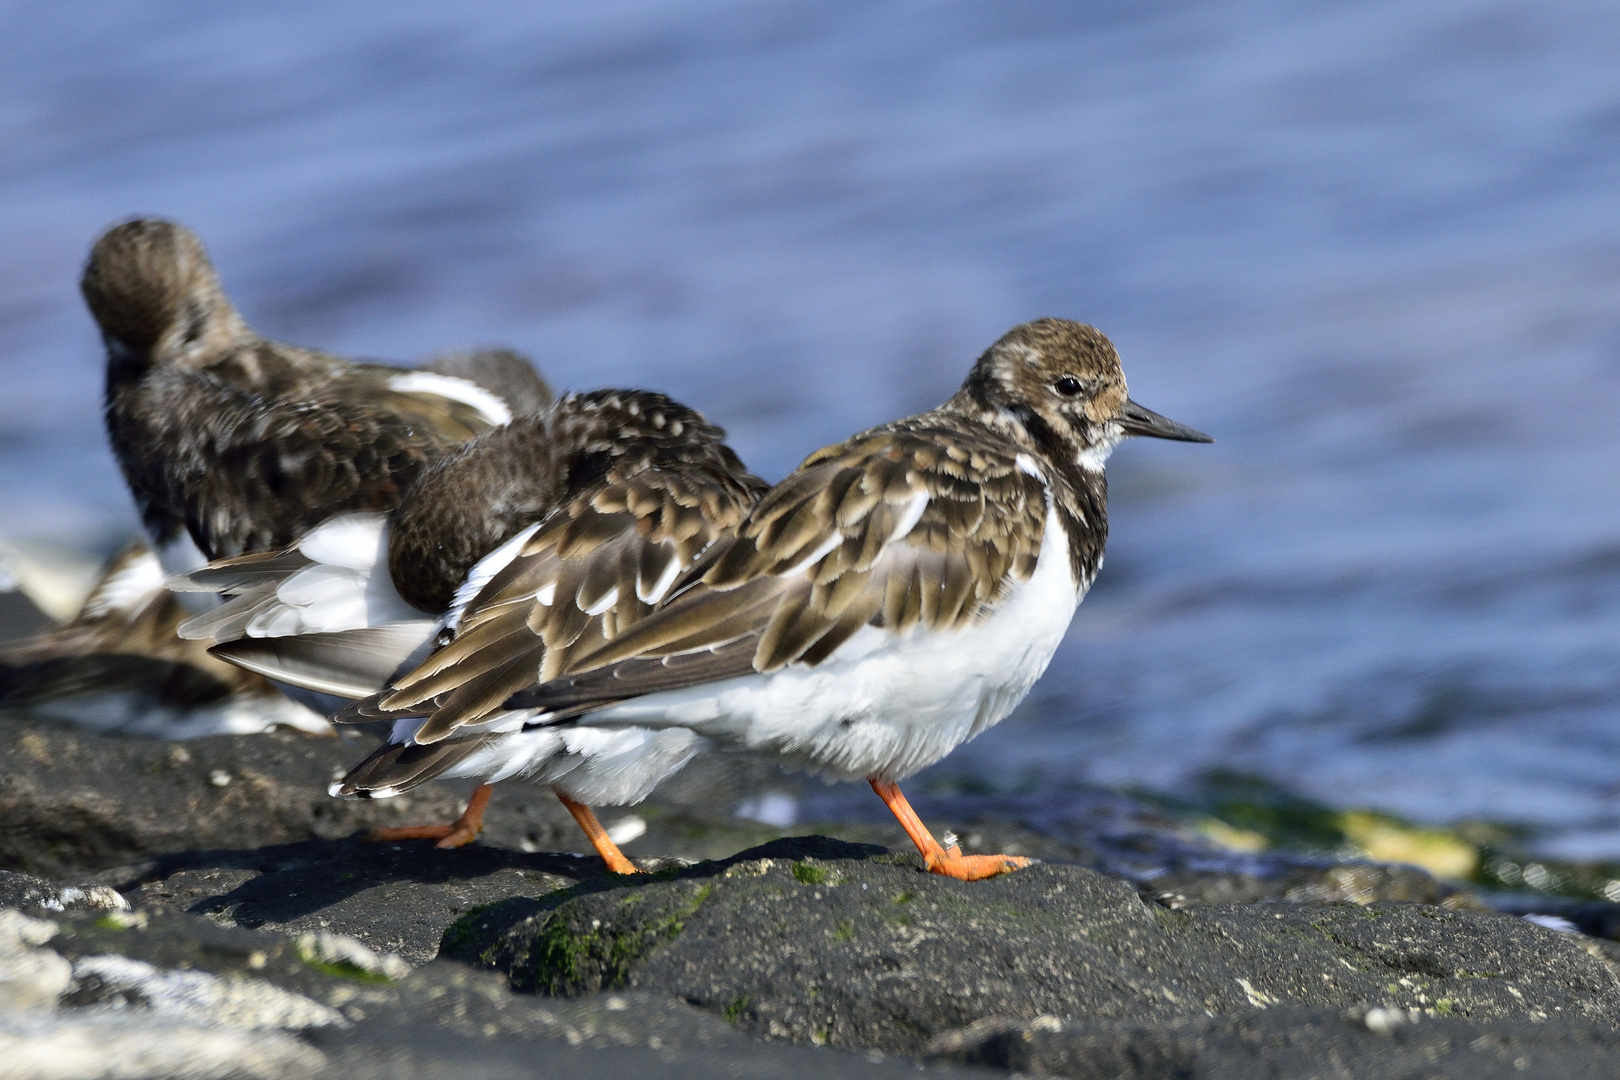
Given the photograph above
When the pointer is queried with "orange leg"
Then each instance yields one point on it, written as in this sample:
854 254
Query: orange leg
605 847
464 831
942 860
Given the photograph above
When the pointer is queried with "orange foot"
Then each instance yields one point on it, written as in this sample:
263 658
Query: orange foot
463 831
604 845
948 861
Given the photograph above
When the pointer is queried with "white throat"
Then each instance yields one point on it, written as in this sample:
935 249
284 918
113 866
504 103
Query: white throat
1093 458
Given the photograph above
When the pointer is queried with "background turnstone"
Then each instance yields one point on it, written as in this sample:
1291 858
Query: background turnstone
621 492
234 443
119 666
896 595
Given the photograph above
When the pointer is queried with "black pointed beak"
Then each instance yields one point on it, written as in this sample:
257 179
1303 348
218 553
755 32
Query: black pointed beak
1137 420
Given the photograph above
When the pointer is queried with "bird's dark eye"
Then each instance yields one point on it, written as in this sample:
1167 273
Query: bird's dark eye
1068 386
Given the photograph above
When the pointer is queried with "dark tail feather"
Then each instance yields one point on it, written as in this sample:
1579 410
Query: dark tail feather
398 767
346 663
368 709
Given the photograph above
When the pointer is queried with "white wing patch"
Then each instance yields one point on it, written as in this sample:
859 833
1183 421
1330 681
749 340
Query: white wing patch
346 586
356 541
908 520
654 592
822 550
128 590
607 601
465 391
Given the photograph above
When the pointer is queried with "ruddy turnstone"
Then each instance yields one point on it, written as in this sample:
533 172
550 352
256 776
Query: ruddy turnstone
232 443
119 666
895 596
611 495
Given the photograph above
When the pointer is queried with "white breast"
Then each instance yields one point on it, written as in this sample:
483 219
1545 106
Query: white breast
885 705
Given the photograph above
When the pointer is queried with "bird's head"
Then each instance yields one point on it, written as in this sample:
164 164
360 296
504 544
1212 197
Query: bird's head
1061 383
154 293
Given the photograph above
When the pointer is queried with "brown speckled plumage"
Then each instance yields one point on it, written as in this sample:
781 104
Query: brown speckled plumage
948 550
118 645
606 448
983 464
816 559
242 442
648 485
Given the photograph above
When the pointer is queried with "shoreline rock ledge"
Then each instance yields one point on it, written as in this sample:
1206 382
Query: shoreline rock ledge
156 889
1060 970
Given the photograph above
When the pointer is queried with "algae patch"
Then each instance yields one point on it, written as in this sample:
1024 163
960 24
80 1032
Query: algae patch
567 958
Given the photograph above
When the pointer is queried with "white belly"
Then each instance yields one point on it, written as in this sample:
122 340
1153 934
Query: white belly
595 766
883 705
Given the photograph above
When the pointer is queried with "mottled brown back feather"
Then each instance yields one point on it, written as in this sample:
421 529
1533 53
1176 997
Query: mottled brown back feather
657 487
242 442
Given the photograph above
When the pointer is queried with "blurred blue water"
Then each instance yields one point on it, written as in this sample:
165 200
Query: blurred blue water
1373 247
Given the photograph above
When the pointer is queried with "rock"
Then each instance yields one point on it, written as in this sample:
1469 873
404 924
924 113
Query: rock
1306 883
255 905
419 1052
242 1002
1173 864
91 1046
25 891
31 977
1372 1044
824 942
172 975
76 802
349 956
393 898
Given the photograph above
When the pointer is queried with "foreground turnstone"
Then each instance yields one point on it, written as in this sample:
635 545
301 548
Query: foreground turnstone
118 666
895 596
616 494
234 443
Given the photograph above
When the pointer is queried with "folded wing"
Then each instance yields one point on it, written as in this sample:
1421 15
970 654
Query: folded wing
900 530
590 571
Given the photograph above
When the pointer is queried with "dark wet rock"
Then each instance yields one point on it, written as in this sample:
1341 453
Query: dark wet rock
242 870
415 1054
1358 1044
448 1013
396 898
24 891
1172 864
75 801
1306 883
818 941
443 1019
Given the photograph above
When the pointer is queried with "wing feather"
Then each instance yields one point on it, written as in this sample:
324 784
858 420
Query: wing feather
904 527
589 572
908 527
